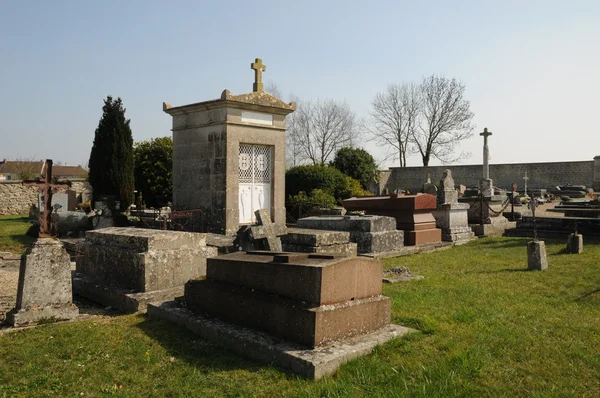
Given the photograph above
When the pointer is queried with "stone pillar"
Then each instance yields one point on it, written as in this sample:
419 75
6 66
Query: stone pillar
487 186
450 215
44 290
536 256
596 184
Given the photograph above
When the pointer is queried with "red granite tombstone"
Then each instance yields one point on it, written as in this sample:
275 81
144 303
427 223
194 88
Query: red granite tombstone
412 213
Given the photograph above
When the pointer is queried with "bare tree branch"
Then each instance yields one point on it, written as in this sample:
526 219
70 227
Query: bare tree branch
320 128
446 120
394 118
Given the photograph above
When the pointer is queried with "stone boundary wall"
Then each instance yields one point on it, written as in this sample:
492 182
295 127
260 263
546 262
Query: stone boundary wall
541 175
16 198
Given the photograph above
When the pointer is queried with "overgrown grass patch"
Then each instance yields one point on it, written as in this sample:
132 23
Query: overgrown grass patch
12 234
488 328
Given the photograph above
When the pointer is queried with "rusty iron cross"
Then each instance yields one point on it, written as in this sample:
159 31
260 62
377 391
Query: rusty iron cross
47 186
259 68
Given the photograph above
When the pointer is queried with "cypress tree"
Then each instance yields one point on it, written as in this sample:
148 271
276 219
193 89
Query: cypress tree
111 160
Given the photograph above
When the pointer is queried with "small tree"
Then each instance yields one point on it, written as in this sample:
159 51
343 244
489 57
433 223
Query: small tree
356 163
154 170
111 160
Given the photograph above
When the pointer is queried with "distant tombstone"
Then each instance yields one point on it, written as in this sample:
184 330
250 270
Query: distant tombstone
462 189
61 201
447 193
574 243
429 188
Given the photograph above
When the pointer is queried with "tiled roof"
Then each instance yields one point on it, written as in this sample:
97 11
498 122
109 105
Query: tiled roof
10 166
60 171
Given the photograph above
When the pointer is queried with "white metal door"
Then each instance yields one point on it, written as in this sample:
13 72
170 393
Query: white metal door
255 180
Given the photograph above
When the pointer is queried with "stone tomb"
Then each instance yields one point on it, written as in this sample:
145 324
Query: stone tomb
44 290
316 303
372 234
317 241
128 267
411 212
229 157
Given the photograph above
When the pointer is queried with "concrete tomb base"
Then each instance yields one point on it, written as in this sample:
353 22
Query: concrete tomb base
372 234
453 221
497 227
536 256
574 244
313 363
44 289
318 241
309 300
128 267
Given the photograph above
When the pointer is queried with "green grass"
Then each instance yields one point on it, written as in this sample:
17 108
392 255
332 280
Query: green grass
488 328
12 234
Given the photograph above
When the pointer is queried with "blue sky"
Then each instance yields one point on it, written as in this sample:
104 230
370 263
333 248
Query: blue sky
531 68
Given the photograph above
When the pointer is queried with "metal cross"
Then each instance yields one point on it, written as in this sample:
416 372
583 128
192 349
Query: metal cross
47 186
259 68
532 206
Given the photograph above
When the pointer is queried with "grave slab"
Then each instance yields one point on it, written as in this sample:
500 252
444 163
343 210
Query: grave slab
309 363
319 241
372 234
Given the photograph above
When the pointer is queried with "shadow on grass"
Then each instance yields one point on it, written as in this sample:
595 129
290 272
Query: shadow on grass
587 295
194 350
24 240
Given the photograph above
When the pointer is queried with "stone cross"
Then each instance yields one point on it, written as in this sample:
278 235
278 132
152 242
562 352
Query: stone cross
525 179
267 231
259 68
47 187
486 153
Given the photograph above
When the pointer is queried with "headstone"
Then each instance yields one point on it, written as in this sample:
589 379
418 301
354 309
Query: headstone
128 267
574 243
451 216
267 232
104 214
447 193
536 256
44 290
429 188
229 157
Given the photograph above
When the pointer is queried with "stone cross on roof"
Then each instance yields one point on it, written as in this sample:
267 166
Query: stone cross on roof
259 68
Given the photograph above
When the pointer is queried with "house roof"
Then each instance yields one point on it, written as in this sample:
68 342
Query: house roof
60 171
14 167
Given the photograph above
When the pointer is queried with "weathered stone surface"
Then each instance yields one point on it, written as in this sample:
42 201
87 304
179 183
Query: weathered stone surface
536 256
143 260
313 279
315 237
44 289
267 231
399 274
310 363
340 249
349 223
574 244
453 220
309 326
370 233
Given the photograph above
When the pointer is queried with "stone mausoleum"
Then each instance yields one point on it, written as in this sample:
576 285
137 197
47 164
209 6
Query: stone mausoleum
229 157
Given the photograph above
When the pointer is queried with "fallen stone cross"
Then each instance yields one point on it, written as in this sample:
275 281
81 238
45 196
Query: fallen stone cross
267 231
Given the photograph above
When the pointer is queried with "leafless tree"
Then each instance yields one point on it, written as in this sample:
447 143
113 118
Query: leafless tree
446 120
394 118
321 128
27 168
273 89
